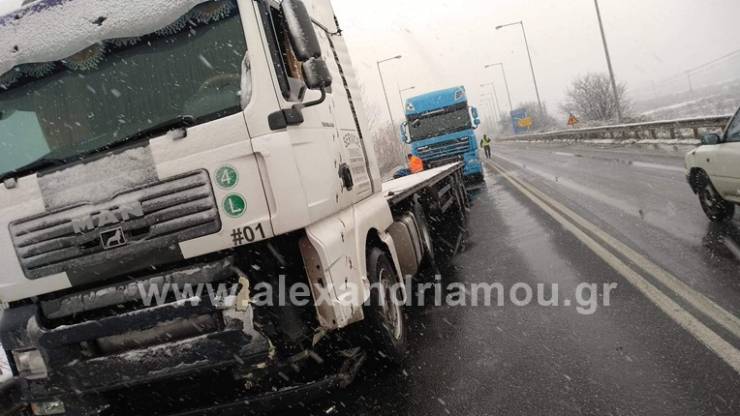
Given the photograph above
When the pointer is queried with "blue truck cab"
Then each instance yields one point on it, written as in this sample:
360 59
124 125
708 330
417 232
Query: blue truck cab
440 128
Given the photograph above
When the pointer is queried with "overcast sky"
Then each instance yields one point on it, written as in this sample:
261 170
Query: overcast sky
447 42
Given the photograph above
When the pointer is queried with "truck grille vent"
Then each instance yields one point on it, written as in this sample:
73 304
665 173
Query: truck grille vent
131 225
444 149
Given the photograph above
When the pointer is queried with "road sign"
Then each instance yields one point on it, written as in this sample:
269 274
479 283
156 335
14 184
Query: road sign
523 123
572 120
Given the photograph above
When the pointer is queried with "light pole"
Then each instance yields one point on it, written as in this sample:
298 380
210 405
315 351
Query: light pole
531 65
506 83
495 95
388 103
491 108
609 63
382 83
400 94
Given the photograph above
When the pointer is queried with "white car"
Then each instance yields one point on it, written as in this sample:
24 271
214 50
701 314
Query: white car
713 171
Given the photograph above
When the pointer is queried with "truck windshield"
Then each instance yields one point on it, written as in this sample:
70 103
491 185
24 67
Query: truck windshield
117 89
439 124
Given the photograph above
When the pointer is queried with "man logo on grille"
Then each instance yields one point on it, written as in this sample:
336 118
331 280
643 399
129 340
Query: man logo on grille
113 238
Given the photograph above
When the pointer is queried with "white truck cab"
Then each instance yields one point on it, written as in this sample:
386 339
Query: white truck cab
713 171
189 143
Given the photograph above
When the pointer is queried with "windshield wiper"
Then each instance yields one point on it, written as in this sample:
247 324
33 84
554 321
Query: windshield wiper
47 161
35 166
148 133
181 121
156 130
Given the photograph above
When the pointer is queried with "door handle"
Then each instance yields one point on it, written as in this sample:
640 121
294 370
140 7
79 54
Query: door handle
345 173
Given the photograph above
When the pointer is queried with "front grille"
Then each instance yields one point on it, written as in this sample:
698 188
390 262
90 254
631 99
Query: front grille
445 161
444 149
133 223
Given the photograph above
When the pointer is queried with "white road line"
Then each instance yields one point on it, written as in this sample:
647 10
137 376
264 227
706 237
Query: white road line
566 154
705 305
681 316
657 166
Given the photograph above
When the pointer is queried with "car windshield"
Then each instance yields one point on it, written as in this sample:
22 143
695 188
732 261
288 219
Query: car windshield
116 89
440 123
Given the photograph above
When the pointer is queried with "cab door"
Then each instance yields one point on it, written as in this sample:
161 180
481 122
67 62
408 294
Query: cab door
302 161
353 160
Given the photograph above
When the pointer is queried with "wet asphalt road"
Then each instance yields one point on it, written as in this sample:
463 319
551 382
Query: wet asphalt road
629 358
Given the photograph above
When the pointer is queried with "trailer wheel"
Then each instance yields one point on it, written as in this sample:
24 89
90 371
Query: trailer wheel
385 320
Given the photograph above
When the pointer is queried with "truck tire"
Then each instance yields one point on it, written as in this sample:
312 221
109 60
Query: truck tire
714 206
385 320
427 241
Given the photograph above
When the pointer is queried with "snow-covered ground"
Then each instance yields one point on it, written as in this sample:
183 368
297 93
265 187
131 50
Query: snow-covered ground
723 98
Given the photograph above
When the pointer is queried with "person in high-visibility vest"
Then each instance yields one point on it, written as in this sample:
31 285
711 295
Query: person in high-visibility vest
486 145
416 165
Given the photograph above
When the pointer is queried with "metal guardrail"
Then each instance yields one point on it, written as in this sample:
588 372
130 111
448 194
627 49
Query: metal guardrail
684 130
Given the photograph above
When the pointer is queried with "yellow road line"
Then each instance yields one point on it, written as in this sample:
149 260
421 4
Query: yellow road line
681 316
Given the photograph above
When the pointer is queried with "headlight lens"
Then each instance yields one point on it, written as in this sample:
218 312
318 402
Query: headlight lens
30 364
48 408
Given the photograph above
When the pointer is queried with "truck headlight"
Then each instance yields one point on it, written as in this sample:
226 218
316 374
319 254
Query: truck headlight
48 408
30 364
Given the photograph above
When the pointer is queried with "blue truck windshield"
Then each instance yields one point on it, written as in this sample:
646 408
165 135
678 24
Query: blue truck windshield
116 89
439 124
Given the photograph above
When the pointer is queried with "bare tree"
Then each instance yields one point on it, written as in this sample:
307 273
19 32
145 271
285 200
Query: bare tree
386 139
590 98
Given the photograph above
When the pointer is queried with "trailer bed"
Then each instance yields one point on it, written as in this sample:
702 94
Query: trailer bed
398 190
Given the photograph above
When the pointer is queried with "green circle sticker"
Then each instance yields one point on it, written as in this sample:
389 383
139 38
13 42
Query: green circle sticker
227 177
235 206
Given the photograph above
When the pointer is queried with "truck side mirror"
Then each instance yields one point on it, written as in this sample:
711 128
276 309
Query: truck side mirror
307 50
404 136
710 139
306 44
476 116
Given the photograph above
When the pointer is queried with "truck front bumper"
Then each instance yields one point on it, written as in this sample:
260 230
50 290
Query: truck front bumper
174 357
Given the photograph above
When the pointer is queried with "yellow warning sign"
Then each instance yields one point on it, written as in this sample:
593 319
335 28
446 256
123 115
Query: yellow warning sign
526 123
572 120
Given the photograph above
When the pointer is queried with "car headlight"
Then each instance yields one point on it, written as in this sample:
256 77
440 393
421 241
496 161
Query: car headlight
48 408
30 364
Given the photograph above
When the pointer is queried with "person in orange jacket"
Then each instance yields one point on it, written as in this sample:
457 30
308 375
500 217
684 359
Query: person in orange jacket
416 165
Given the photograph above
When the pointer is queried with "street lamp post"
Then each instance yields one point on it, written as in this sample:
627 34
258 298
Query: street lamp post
609 63
506 82
531 64
495 94
400 94
382 83
491 106
388 103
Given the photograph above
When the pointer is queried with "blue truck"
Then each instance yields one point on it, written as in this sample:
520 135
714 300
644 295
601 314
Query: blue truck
440 128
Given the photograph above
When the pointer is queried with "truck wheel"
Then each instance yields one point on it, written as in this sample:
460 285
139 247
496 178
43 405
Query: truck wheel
427 240
716 208
384 316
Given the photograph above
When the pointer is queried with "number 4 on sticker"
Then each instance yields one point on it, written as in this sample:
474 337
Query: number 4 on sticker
227 177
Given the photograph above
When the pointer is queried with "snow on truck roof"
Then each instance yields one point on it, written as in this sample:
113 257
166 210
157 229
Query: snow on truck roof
435 100
52 30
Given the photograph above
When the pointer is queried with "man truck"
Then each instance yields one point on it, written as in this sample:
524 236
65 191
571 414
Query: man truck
440 128
151 146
